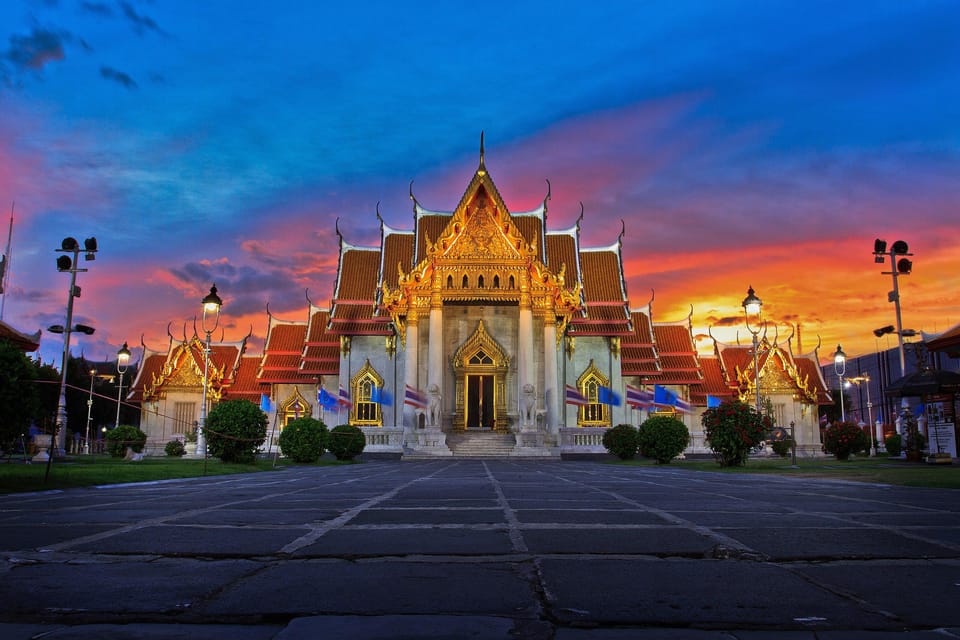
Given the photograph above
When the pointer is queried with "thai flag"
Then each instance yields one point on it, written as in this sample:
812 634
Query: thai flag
606 395
343 397
573 396
639 398
683 406
414 397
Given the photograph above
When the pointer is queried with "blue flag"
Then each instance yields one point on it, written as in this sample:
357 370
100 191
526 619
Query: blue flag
606 395
713 402
326 400
265 405
663 396
380 396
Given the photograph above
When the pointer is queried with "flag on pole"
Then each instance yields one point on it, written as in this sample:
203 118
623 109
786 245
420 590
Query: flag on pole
606 395
343 398
326 400
639 398
664 397
265 405
573 396
713 402
414 397
380 396
683 406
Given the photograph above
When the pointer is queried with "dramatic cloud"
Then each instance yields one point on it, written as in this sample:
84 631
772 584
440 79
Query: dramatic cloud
36 50
118 77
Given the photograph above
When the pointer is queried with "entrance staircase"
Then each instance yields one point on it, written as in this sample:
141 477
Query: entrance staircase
481 444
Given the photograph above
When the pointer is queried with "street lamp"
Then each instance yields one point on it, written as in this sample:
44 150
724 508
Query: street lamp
123 357
86 438
753 308
211 308
65 263
858 380
900 265
840 366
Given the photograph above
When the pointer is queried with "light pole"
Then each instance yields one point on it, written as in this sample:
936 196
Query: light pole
840 366
86 438
123 357
64 263
211 307
753 308
858 380
899 266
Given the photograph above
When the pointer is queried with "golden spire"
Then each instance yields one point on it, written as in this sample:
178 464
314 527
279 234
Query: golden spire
482 169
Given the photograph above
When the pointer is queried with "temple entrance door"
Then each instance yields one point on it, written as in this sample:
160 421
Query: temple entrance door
480 404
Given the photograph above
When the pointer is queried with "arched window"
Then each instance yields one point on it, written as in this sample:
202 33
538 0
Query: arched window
511 283
594 413
496 282
363 386
449 282
480 281
466 282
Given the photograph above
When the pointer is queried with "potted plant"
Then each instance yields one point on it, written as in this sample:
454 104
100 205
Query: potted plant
190 441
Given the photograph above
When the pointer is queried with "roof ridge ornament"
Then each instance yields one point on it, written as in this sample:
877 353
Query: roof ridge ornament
482 169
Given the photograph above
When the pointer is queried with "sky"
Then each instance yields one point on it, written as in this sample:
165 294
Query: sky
737 143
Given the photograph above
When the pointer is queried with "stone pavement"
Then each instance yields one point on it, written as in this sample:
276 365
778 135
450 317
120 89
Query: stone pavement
482 549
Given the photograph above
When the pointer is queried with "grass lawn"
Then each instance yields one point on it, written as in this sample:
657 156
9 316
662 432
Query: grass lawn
85 471
880 469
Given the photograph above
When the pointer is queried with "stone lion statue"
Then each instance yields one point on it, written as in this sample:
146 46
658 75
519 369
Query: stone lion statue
528 404
433 406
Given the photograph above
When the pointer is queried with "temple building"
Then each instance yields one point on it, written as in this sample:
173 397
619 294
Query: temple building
480 331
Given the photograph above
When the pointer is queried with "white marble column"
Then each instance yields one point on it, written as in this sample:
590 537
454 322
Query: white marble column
550 379
435 349
525 347
410 368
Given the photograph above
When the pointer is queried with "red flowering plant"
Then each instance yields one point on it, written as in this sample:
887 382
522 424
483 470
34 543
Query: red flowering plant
843 438
733 430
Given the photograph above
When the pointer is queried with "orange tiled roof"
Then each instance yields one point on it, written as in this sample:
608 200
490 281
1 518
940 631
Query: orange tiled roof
150 366
562 250
678 357
606 305
397 250
245 384
714 383
321 350
283 353
432 226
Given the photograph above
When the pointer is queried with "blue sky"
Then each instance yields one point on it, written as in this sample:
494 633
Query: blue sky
763 143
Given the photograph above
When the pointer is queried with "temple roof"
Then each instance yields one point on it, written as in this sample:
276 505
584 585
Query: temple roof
283 353
24 341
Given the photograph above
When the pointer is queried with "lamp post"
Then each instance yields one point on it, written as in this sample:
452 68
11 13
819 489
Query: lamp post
86 438
211 307
840 366
858 380
123 357
753 308
65 263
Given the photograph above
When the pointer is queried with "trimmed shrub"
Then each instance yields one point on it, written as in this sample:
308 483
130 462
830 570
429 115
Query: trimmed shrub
782 447
346 441
733 430
893 444
125 436
662 438
234 431
621 441
844 438
174 449
304 440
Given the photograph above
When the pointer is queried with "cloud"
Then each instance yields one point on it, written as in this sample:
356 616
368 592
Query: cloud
96 8
36 50
118 76
140 22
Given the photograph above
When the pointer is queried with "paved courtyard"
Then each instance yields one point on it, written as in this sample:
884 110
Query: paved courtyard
482 549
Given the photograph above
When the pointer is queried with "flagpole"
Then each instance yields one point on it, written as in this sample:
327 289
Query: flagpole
6 263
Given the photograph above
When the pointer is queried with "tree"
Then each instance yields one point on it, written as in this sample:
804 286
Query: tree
235 429
733 430
19 398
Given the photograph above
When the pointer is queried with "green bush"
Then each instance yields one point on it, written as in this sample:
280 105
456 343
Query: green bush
346 441
733 430
621 441
662 438
125 436
174 449
304 440
234 431
845 438
782 447
893 444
